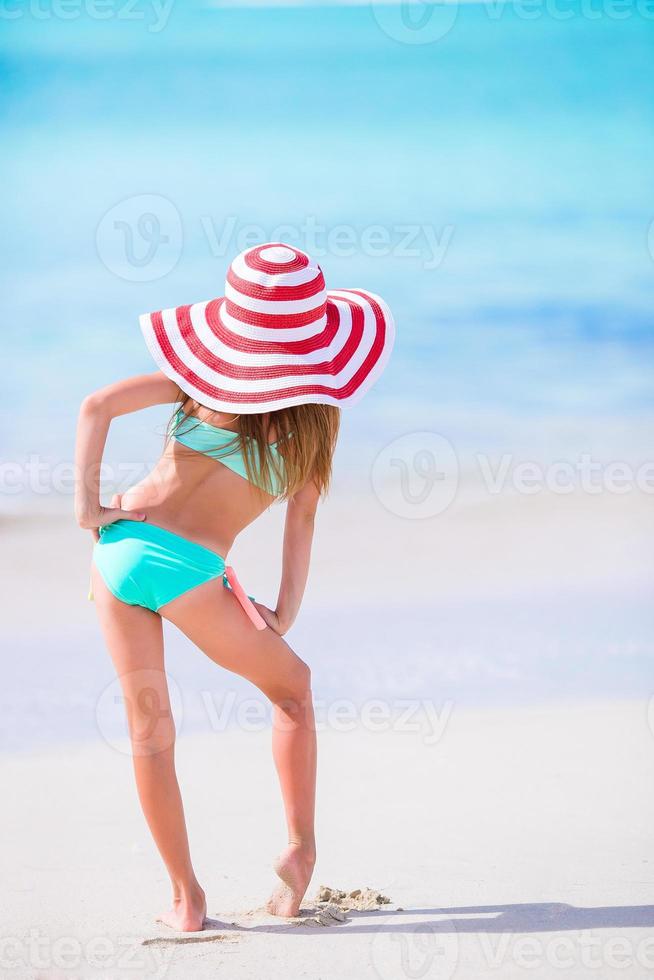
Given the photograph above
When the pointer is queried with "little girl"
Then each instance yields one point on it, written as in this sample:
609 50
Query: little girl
258 377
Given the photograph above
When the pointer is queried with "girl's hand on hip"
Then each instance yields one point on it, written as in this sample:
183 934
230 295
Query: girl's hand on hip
96 518
271 618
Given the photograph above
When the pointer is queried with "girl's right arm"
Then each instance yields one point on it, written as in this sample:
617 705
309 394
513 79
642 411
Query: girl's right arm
96 412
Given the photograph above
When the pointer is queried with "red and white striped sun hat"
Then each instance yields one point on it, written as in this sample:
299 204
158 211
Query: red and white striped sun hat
276 338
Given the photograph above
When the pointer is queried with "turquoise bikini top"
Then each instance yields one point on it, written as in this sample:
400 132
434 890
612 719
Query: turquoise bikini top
210 440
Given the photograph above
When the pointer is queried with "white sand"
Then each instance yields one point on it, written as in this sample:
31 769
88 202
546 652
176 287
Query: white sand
519 844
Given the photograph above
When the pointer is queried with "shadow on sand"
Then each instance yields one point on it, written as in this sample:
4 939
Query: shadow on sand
535 917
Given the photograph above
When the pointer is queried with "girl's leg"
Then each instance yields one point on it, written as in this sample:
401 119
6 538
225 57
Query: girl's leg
134 636
214 621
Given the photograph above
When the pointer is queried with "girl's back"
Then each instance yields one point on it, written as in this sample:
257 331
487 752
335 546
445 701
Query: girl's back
195 494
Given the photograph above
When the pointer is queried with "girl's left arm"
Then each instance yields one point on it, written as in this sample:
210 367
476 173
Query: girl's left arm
298 538
95 415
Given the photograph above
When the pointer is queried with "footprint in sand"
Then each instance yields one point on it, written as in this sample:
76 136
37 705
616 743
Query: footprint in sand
198 937
209 934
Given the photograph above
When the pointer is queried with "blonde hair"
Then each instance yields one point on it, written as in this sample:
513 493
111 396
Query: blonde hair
305 439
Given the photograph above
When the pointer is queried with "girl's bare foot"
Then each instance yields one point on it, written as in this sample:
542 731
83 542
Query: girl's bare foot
295 867
187 914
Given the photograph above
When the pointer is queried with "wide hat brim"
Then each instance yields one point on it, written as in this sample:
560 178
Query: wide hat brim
231 366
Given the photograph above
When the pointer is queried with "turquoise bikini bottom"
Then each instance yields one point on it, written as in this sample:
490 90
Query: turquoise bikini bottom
146 565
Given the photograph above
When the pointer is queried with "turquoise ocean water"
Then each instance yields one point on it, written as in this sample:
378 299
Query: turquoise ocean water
508 165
